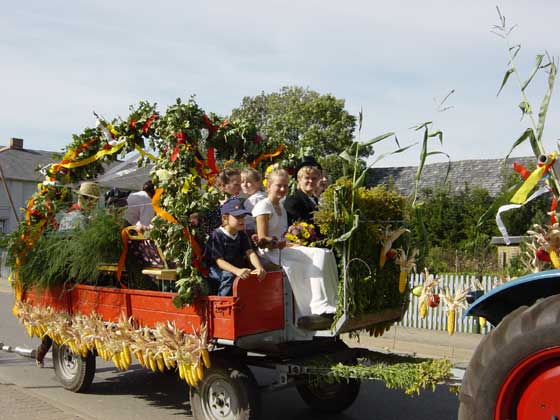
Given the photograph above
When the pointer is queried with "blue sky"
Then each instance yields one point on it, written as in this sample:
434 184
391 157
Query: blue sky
61 60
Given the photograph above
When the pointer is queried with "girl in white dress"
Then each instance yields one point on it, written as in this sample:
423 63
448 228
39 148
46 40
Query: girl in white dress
312 272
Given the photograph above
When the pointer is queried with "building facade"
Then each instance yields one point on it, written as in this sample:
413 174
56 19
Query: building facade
19 167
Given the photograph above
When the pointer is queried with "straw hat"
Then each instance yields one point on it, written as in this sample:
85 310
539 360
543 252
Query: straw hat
88 189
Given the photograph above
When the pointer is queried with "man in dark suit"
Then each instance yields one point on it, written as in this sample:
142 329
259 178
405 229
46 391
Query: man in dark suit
301 205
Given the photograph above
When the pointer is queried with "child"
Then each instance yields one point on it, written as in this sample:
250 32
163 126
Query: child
227 248
251 185
229 183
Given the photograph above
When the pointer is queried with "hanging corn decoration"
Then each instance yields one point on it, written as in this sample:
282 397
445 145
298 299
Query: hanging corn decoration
428 289
160 349
453 302
406 264
482 321
423 309
387 239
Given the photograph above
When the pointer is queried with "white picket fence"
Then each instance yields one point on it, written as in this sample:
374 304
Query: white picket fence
436 319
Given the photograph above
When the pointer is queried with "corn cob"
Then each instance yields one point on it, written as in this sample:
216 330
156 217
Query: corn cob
206 358
451 321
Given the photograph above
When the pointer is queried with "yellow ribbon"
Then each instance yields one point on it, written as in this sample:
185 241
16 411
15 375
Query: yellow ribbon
91 159
521 194
145 154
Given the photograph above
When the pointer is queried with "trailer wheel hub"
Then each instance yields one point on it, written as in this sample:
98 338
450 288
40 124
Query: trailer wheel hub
221 401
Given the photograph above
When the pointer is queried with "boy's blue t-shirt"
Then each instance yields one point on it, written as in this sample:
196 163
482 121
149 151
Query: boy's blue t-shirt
232 249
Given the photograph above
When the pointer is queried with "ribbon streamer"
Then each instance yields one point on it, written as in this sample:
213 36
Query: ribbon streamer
507 207
532 180
186 233
279 150
56 167
145 154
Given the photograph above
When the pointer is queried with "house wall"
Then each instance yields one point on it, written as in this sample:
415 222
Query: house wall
20 191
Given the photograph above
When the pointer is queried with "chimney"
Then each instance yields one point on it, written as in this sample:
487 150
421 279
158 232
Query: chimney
16 143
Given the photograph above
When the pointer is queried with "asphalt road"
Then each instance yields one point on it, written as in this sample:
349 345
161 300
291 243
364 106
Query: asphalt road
141 394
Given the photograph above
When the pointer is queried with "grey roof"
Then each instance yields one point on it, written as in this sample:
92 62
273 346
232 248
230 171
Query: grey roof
487 173
21 164
125 176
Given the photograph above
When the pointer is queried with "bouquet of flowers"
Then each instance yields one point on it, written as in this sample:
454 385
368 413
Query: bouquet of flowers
302 233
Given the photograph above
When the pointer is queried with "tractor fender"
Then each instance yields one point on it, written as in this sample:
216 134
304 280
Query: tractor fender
526 290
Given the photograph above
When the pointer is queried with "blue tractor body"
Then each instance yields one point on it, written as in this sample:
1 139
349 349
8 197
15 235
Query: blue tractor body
502 300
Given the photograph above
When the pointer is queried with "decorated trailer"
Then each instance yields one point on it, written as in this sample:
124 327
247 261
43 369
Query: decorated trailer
163 316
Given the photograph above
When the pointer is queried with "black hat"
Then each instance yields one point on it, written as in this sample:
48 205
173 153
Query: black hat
234 207
307 161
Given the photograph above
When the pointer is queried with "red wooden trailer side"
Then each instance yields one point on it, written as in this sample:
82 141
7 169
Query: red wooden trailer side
255 307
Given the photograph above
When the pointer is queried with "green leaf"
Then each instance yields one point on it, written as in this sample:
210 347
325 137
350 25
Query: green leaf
506 77
527 134
438 134
538 63
358 183
546 101
376 139
448 162
346 156
525 108
502 199
348 234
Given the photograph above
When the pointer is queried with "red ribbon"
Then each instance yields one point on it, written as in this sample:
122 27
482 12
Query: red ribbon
149 123
521 170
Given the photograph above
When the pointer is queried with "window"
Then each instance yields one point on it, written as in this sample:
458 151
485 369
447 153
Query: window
3 223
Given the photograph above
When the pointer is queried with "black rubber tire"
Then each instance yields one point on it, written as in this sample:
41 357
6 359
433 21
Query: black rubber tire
328 396
524 332
239 386
73 371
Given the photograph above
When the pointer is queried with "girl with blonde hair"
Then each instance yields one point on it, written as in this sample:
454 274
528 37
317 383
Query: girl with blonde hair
312 272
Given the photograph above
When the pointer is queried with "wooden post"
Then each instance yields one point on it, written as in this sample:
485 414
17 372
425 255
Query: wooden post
8 191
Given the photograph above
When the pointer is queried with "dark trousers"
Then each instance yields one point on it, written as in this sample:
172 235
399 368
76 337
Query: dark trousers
43 348
220 282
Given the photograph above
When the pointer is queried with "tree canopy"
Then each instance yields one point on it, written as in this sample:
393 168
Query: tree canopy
306 121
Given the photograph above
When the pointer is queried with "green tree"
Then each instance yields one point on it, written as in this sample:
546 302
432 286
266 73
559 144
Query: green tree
306 121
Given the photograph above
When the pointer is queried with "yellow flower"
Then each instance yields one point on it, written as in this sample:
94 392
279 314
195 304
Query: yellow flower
306 234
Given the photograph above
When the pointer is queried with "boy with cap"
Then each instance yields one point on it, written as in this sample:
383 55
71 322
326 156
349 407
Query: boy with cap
227 249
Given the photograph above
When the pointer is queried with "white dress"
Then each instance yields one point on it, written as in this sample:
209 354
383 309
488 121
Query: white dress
249 204
312 272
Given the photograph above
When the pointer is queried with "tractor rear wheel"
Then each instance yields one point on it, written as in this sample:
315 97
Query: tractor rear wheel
515 371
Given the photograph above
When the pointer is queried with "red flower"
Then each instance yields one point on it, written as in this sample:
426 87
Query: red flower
132 124
258 139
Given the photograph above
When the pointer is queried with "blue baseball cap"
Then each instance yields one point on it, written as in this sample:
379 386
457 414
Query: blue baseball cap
234 207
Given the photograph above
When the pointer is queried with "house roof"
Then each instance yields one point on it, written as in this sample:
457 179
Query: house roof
22 164
485 173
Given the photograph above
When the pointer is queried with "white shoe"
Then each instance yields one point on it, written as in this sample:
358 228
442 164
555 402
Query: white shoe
40 364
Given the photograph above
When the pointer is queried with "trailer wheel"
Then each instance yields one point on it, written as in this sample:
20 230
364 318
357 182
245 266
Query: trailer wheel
515 371
228 391
328 395
73 371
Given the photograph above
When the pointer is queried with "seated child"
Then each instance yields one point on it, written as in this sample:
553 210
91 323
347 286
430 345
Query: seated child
227 249
251 185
